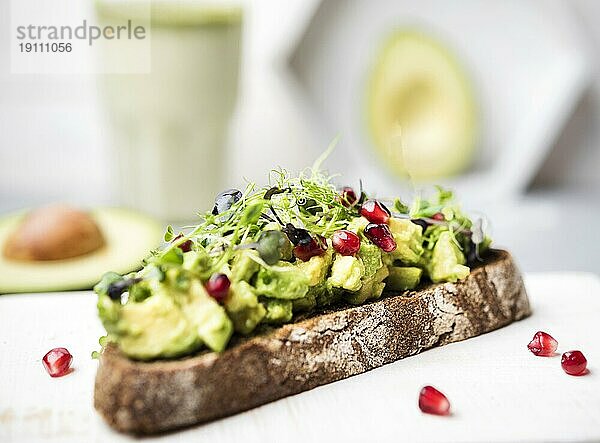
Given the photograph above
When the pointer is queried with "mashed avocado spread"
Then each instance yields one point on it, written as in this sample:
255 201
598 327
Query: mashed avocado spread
265 255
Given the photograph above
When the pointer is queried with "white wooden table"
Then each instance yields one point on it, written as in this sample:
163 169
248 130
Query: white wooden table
499 391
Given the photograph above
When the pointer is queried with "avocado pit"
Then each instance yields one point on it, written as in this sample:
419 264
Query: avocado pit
54 232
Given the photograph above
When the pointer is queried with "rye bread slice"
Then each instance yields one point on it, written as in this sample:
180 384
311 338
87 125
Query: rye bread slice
151 397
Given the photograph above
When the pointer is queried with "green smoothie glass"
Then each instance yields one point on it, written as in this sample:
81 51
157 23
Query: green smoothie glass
168 127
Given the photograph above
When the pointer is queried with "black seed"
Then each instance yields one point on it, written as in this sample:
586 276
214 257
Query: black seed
271 192
275 190
472 253
297 236
362 198
116 289
310 205
225 200
422 223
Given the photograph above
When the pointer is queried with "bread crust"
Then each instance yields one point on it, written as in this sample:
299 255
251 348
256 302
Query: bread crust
152 397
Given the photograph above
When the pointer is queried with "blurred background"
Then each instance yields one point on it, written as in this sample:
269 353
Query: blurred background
498 99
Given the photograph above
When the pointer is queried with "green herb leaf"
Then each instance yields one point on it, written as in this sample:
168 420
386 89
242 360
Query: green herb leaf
252 213
400 207
169 234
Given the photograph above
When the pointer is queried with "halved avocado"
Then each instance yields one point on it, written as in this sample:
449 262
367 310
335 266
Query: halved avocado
128 238
420 108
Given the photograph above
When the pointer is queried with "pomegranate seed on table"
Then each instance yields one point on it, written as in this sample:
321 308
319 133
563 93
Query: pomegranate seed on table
432 401
57 362
306 250
375 212
543 344
348 196
381 236
574 363
217 286
345 242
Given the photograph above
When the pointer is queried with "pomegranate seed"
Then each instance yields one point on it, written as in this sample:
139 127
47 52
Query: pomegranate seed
57 362
438 216
432 401
345 242
217 286
305 251
375 211
186 246
348 196
543 344
574 363
381 236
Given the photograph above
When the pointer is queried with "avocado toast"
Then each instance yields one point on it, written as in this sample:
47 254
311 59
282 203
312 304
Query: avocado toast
284 288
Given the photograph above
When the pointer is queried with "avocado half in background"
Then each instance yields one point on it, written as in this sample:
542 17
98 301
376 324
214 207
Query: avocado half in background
57 248
421 109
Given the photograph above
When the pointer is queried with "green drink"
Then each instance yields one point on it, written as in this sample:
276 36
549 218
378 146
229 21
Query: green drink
169 126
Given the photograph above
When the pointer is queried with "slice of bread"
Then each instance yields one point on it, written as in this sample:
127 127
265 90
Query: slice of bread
150 397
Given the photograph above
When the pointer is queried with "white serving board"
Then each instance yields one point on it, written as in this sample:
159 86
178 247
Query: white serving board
499 391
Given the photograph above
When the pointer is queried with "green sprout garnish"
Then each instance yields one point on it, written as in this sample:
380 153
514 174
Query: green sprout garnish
309 201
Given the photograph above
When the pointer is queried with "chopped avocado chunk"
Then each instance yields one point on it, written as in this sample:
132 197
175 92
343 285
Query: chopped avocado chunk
370 256
166 324
372 288
401 279
307 302
347 272
375 273
243 307
284 281
325 294
317 268
244 266
447 260
212 324
278 311
109 312
155 328
409 241
196 261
